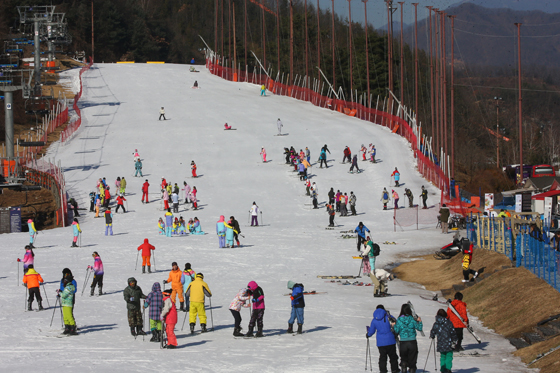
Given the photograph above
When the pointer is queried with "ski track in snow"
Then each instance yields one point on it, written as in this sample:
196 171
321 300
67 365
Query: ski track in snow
120 107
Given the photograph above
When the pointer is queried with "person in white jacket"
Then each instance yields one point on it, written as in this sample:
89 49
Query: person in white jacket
242 299
254 215
161 113
280 125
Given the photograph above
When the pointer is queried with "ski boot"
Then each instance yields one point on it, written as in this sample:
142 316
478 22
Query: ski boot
290 328
203 327
171 347
299 328
91 292
66 329
74 244
73 330
149 269
143 269
260 332
29 308
133 331
139 330
154 336
250 332
377 294
159 334
40 305
237 332
31 245
192 327
100 290
182 308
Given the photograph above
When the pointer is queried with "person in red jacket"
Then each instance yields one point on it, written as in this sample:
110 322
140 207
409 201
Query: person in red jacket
169 317
461 308
120 203
193 169
107 198
163 183
146 248
347 154
145 191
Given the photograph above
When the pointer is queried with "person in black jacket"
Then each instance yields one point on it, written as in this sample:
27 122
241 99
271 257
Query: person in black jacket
331 196
236 229
446 338
132 295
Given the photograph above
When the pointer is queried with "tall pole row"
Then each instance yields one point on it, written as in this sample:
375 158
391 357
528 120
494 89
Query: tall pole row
306 44
229 28
291 42
318 43
333 47
216 30
263 36
415 58
234 46
520 102
444 62
350 45
278 32
245 33
367 48
431 75
401 3
452 96
436 80
92 33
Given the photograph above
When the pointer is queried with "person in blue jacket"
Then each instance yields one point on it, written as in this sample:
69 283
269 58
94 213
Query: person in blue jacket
298 304
323 158
386 342
361 229
138 167
32 232
406 327
221 232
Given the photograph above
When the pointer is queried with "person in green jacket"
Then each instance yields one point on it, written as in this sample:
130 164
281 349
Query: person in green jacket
406 327
132 295
67 303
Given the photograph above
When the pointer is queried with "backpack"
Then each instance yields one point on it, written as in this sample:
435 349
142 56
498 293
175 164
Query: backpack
376 249
385 195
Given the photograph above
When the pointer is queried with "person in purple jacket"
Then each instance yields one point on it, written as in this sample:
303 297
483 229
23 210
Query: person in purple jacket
258 309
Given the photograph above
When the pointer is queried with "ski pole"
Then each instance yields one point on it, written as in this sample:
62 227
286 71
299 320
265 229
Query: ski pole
262 221
154 255
25 303
135 268
185 319
435 364
88 273
427 356
143 322
18 261
80 240
46 297
211 316
54 310
249 218
361 266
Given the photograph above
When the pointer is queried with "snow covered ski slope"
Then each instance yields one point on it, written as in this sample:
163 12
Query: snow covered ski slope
120 107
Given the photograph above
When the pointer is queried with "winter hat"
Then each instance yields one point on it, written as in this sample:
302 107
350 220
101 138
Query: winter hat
222 219
291 284
132 280
76 220
167 291
95 253
174 264
66 271
30 221
187 266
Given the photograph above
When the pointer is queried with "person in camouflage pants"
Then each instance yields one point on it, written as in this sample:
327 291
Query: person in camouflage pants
132 295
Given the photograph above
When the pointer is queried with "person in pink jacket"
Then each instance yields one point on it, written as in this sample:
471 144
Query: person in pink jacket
28 258
165 198
258 309
263 154
395 198
187 191
169 317
241 300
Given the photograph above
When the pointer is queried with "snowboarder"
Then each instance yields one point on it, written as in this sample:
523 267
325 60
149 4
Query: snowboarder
132 295
446 338
169 316
32 232
424 196
145 187
236 230
385 198
353 203
193 169
386 342
240 300
395 198
361 229
154 300
406 327
298 305
146 249
396 175
108 221
467 261
67 303
33 280
263 154
168 222
279 125
120 203
227 127
258 309
138 167
254 215
347 155
97 274
176 279
28 258
221 232
76 231
444 218
263 90
162 113
408 193
461 308
354 164
196 292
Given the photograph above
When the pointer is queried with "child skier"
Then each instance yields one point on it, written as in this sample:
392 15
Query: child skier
196 292
120 203
258 309
28 258
67 304
298 304
154 300
240 300
97 274
395 198
176 279
254 215
33 280
279 125
138 168
354 164
162 113
236 230
221 232
169 317
76 231
123 186
132 295
108 221
32 232
263 154
396 175
161 226
446 337
263 90
146 249
461 308
385 198
193 169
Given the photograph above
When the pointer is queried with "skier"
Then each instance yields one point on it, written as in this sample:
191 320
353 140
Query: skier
117 184
263 90
176 279
33 280
395 198
446 338
314 195
28 258
236 229
188 277
424 196
406 327
369 252
169 317
32 232
67 276
279 125
120 203
162 113
196 292
408 193
168 222
343 202
176 189
307 187
331 196
163 184
76 231
461 308
92 202
364 151
221 232
67 303
444 218
254 215
229 234
301 171
307 154
193 169
331 212
123 186
323 158
161 226
227 127
258 309
146 249
196 229
74 205
347 154
353 203
132 295
175 200
240 300
263 154
298 305
385 198
107 199
108 221
373 152
138 167
396 175
154 300
97 274
337 200
97 205
361 229
145 187
194 201
354 164
386 342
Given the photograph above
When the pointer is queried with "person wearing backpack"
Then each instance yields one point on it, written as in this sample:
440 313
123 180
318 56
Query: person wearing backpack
385 198
298 304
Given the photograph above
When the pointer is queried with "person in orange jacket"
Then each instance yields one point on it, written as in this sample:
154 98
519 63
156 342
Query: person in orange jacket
177 280
461 308
33 280
146 248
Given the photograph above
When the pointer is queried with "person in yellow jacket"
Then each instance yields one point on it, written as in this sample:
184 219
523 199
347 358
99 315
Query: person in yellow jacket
176 279
196 291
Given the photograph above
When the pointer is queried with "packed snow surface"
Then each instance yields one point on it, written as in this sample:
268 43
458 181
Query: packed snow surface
120 107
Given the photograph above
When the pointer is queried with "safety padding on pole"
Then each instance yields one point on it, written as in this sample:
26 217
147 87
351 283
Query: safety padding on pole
235 77
125 62
156 62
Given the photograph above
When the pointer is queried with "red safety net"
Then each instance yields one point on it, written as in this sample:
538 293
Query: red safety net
77 122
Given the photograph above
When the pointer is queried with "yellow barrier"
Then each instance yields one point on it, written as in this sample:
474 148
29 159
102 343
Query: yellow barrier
125 62
158 62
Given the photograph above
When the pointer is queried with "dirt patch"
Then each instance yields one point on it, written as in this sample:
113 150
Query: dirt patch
443 274
549 363
38 205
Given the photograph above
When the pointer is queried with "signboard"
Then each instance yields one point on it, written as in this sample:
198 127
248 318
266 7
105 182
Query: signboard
518 201
547 207
488 201
526 205
4 220
15 219
8 106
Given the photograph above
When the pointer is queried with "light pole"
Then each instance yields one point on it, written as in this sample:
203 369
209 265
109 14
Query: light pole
497 100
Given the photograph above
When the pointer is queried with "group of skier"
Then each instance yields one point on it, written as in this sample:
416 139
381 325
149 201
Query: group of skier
387 196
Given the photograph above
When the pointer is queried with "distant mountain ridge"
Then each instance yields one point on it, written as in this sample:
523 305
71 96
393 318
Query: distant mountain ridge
547 6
